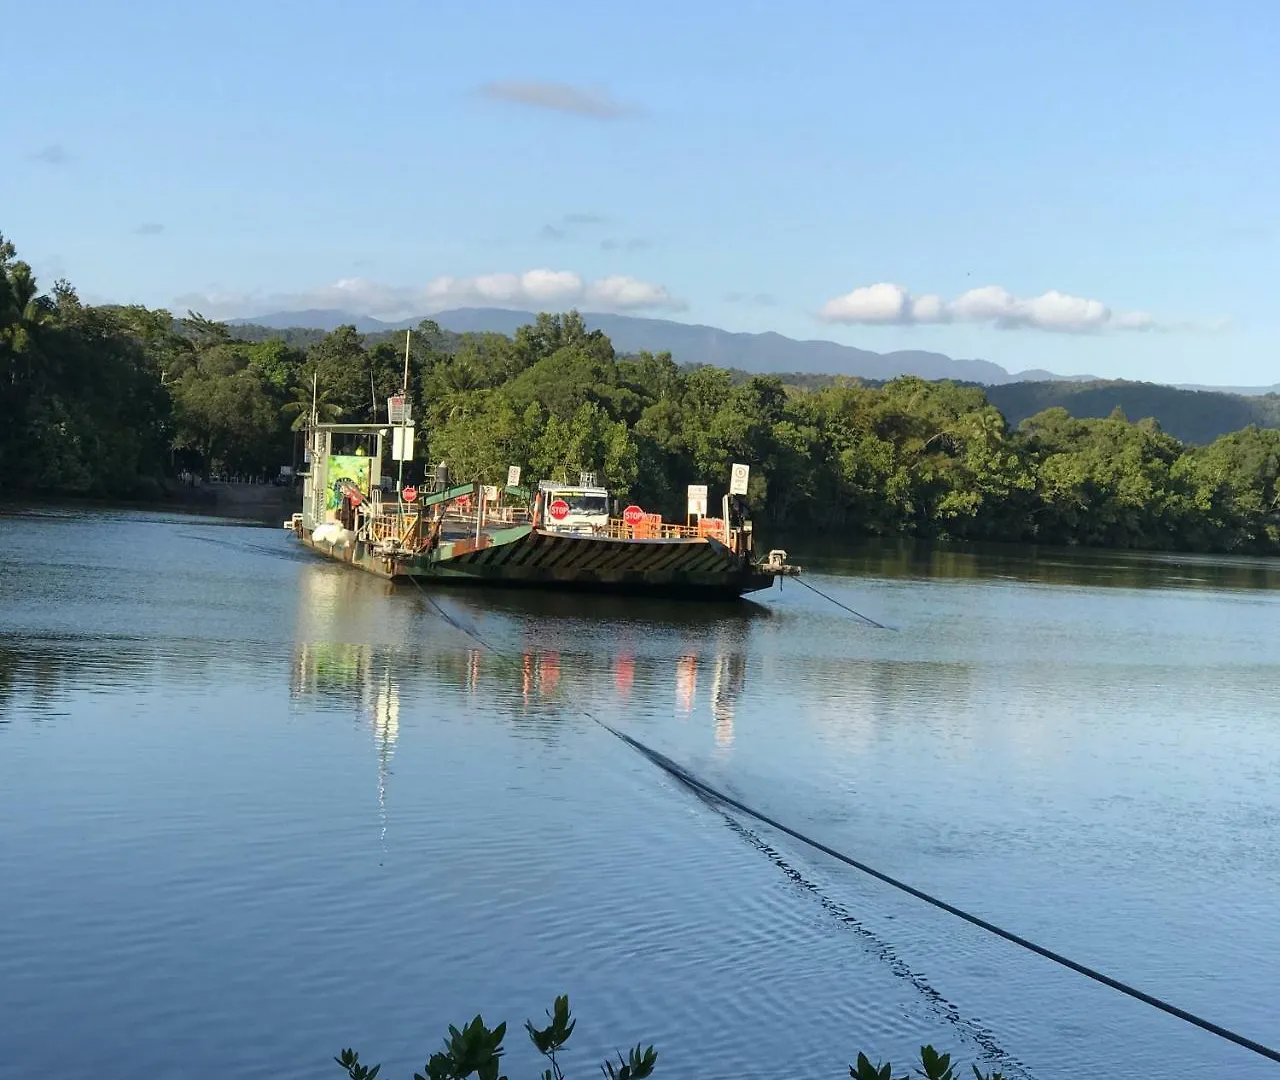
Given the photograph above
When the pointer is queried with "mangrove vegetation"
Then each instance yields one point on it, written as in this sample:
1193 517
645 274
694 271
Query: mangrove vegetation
476 1050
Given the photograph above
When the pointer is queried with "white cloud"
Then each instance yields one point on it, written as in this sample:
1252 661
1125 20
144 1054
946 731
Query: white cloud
1135 320
883 303
531 287
1053 311
622 293
928 309
536 289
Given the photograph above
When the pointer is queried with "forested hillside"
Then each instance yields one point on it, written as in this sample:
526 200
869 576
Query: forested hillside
1195 416
114 401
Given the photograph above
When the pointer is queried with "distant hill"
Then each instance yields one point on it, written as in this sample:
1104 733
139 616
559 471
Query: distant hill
1247 391
319 319
1194 416
688 343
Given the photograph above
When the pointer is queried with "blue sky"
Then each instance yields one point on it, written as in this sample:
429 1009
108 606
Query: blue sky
842 170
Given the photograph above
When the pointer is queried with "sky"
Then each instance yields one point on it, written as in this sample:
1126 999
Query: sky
1086 187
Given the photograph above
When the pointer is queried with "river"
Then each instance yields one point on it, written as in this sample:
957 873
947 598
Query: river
256 807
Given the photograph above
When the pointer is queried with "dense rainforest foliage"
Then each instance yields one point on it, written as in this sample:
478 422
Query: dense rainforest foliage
1192 416
119 400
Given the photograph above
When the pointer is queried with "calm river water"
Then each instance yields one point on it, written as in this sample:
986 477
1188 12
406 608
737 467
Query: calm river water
256 807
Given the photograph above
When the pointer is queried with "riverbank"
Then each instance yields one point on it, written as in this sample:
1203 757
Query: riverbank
258 501
243 502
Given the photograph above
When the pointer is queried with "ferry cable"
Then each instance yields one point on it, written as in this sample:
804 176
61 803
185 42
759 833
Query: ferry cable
975 1031
702 788
866 619
449 618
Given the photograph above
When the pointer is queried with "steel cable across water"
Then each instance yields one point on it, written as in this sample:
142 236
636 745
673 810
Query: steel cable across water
708 791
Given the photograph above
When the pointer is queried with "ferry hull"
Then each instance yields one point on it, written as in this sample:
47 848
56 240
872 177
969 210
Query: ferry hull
523 557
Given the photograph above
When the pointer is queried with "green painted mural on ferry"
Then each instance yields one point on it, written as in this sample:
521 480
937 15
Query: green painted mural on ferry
344 469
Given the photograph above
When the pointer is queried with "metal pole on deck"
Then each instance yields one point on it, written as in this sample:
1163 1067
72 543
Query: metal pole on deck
405 391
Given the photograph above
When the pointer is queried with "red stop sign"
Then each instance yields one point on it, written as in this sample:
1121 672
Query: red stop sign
409 494
633 515
559 509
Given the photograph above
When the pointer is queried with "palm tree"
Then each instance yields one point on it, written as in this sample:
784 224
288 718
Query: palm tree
300 407
24 314
310 404
205 332
23 311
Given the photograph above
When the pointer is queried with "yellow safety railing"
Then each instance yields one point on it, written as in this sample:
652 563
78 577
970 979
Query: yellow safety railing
651 530
394 525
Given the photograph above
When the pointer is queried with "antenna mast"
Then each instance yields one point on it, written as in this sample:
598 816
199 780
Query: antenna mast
403 431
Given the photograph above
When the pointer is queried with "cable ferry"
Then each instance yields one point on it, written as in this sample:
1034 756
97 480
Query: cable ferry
557 536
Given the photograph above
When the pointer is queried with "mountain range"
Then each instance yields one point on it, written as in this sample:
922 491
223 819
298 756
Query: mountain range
690 343
767 353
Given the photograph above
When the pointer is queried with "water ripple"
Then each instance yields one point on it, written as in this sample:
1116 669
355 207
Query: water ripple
267 807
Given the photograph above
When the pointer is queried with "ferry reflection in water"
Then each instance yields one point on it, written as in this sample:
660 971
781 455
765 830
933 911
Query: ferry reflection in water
372 679
369 646
730 679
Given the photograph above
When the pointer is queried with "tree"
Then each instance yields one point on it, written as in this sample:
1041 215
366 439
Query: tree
306 399
1233 492
109 399
559 384
343 369
23 311
481 437
205 333
275 363
586 442
229 418
84 408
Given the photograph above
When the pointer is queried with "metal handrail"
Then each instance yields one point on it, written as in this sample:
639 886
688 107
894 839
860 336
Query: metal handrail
507 515
399 526
650 530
